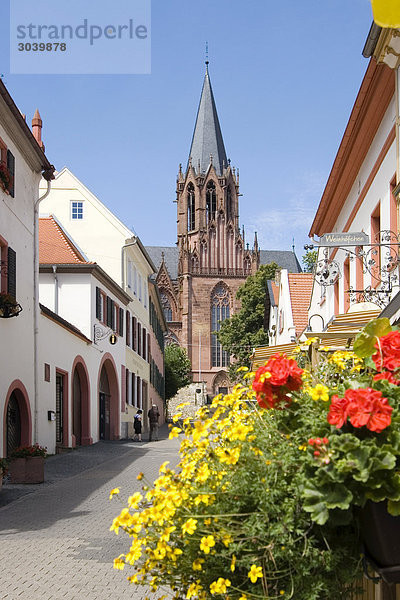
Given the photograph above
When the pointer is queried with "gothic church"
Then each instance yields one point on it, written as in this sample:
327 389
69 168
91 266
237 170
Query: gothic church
198 279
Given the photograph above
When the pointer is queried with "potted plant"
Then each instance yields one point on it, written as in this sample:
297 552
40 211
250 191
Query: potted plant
27 464
9 307
5 177
266 501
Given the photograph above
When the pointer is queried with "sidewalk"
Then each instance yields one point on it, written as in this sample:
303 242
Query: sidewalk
74 462
55 538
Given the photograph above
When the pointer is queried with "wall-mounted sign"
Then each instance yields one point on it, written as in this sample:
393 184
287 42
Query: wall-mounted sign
113 339
358 238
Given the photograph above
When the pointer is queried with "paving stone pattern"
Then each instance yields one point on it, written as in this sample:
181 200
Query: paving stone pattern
55 542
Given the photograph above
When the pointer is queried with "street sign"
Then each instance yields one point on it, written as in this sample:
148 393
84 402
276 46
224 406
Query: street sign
358 238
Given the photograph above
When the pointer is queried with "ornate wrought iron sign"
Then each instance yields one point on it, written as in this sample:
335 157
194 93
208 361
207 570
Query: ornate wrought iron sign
99 333
380 259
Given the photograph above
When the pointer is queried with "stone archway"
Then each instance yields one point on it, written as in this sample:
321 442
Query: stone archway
80 404
108 393
17 420
220 383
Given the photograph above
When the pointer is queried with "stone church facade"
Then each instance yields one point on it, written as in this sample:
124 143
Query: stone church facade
198 280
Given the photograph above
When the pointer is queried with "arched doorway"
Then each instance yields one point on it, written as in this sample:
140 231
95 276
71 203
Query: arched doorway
13 424
16 418
76 408
108 400
80 404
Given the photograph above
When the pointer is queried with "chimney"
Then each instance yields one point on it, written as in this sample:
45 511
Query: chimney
37 124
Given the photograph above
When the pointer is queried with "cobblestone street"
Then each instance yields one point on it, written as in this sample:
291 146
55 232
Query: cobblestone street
55 539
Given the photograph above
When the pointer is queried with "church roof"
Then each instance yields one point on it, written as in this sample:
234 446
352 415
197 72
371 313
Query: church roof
207 137
171 257
286 259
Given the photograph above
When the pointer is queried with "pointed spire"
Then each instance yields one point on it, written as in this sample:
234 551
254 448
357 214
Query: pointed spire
207 137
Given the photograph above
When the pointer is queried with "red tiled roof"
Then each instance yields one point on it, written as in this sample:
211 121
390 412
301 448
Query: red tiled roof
300 288
54 245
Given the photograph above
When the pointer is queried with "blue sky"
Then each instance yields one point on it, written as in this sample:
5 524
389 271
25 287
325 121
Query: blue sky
285 76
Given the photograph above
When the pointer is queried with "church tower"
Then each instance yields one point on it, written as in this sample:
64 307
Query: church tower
213 259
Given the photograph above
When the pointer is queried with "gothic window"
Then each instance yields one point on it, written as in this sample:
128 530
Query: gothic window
247 265
191 207
166 305
220 301
211 201
228 204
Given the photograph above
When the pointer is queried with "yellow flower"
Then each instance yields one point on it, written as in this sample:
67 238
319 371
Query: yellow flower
243 597
233 563
282 592
240 369
206 543
220 586
193 590
133 501
319 392
189 526
140 477
114 492
255 573
119 563
227 539
196 566
175 431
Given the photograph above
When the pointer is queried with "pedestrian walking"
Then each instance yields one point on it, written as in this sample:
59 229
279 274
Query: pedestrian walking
153 415
137 426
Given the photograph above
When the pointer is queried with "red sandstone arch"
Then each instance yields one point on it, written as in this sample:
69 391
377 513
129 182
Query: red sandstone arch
21 394
108 364
79 368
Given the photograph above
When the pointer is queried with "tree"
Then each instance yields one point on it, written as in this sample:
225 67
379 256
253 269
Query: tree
245 329
177 369
309 259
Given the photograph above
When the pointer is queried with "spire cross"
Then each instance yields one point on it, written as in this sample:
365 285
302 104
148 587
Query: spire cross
207 61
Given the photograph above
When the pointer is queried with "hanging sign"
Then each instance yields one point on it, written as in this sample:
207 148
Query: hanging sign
358 238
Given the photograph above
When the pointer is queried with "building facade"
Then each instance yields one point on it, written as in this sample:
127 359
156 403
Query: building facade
106 241
22 163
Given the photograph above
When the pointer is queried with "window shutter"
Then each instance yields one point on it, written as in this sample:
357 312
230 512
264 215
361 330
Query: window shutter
11 168
109 312
12 272
144 341
98 303
113 314
139 339
128 328
121 322
148 348
134 332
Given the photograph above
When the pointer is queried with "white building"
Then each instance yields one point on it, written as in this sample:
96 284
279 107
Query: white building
361 195
23 161
104 239
82 344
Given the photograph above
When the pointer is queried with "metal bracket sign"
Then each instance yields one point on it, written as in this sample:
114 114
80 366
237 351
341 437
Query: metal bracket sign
358 238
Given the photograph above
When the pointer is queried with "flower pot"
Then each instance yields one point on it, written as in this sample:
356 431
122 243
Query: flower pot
380 533
34 469
17 470
27 470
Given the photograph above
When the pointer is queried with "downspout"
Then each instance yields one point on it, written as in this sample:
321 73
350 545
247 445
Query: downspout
55 289
36 303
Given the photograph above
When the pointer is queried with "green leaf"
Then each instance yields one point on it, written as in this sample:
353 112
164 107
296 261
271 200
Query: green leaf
394 507
364 344
318 501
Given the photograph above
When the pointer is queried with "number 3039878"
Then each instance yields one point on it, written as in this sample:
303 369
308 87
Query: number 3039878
42 47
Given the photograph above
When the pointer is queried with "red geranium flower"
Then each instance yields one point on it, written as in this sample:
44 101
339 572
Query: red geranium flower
338 411
364 407
388 376
388 352
273 380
